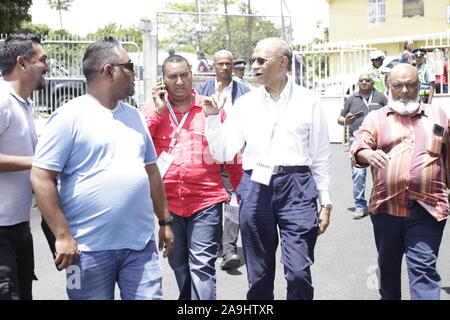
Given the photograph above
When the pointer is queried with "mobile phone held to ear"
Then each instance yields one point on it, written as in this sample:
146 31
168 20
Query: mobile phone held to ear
161 81
358 115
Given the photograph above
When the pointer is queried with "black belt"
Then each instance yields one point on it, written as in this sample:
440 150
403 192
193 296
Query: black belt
290 169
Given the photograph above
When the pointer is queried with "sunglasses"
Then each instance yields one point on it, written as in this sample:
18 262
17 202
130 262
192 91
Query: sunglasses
127 65
364 80
261 61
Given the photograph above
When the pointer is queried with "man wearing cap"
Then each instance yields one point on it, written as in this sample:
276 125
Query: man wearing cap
239 72
356 108
377 58
230 90
427 77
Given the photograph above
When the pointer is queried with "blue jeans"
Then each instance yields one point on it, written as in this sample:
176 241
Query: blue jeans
359 184
418 237
94 275
195 253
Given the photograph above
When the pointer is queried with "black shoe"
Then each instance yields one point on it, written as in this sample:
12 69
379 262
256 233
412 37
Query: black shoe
230 262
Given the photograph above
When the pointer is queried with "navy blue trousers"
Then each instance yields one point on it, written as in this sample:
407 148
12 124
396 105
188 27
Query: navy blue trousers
289 205
418 237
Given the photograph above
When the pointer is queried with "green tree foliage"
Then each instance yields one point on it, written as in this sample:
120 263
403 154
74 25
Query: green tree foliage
12 14
130 34
181 32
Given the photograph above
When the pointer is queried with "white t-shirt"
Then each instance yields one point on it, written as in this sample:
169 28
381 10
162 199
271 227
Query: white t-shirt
17 138
101 156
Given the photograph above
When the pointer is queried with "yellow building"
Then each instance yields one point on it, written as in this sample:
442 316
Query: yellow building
386 24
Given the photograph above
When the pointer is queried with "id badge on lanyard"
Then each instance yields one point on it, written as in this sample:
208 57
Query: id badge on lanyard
262 173
264 168
166 159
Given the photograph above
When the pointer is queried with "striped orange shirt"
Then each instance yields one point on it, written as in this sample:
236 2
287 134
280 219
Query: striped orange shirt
418 169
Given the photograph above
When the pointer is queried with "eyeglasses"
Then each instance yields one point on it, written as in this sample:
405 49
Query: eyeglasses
127 65
261 61
409 86
365 80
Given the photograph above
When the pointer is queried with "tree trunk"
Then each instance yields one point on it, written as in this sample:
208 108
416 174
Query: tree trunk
227 20
248 53
60 18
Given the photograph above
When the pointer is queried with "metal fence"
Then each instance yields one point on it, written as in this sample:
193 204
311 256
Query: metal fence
66 81
330 70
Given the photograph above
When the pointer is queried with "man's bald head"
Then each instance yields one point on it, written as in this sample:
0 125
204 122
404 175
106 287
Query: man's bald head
277 47
223 54
223 66
404 70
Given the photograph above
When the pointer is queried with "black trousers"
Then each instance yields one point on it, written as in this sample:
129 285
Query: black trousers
16 262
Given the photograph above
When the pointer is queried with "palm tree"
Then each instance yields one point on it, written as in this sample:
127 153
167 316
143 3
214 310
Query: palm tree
60 5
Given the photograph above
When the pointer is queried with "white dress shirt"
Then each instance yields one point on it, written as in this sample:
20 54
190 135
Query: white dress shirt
289 132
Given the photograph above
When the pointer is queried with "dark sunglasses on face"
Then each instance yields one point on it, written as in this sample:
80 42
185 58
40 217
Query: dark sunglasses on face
364 80
126 65
259 61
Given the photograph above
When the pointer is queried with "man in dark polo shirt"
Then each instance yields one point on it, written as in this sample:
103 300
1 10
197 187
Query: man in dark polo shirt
356 107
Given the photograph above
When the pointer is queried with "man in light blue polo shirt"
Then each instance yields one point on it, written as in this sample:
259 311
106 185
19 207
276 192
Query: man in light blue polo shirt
23 64
110 185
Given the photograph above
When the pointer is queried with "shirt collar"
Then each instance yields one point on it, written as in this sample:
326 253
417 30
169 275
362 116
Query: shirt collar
230 86
358 94
27 103
196 102
285 94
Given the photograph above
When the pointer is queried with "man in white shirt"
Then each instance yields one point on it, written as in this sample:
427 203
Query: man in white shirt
23 64
287 163
230 90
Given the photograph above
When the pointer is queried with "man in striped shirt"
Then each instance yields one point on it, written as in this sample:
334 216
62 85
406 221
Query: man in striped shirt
407 145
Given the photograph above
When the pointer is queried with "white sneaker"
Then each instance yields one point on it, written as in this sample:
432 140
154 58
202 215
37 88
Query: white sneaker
359 213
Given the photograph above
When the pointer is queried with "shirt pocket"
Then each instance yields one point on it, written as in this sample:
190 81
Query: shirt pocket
434 145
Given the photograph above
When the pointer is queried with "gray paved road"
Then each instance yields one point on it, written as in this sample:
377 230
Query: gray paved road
345 256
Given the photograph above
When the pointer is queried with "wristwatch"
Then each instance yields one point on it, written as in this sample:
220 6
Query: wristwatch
327 206
168 222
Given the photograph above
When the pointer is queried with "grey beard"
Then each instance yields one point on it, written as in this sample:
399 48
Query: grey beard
404 107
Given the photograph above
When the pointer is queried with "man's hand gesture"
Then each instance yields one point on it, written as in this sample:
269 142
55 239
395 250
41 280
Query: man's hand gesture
212 105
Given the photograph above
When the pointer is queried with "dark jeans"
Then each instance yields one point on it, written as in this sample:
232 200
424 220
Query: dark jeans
418 237
288 204
16 262
195 253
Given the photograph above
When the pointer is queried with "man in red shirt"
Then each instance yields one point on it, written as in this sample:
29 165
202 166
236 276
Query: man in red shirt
192 179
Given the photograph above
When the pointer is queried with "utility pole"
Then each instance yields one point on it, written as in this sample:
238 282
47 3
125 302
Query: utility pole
199 24
227 20
250 30
283 36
